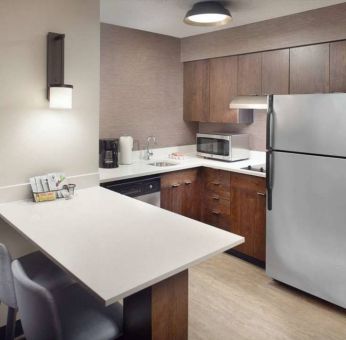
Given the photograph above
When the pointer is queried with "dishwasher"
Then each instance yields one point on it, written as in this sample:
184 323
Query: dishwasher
146 189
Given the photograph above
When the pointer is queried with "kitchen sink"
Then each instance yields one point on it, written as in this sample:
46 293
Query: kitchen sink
163 163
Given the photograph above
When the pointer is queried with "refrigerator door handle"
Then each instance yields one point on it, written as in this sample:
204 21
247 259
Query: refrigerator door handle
269 131
269 179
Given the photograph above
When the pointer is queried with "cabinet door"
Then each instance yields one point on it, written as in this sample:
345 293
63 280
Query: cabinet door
172 192
180 193
309 69
338 66
248 212
196 91
223 87
275 72
191 193
249 74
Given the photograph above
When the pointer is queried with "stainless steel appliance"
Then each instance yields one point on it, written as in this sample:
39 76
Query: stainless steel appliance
224 146
256 168
146 189
306 187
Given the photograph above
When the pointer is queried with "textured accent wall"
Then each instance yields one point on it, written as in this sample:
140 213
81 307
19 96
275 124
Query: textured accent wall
316 26
256 130
142 87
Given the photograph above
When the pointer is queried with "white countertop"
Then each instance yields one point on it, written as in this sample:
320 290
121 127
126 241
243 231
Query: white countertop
113 244
142 168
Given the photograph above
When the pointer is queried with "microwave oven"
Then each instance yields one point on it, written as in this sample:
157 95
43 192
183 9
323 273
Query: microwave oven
223 146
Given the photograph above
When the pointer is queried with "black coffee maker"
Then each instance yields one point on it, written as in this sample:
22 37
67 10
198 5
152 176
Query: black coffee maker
108 153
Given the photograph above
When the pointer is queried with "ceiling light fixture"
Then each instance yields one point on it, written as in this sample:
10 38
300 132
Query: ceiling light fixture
208 13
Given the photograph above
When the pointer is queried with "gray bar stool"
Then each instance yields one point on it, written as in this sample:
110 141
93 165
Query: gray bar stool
64 314
40 269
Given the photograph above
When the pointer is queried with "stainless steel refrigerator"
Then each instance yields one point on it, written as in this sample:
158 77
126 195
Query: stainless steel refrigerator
306 192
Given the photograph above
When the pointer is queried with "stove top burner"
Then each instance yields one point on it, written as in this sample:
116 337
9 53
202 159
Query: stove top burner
258 168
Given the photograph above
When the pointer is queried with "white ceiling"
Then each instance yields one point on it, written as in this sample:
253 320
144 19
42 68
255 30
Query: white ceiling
166 16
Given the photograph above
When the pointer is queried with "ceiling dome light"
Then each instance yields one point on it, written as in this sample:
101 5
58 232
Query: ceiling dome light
208 13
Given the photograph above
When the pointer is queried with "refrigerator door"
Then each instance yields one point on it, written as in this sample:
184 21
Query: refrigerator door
310 123
306 228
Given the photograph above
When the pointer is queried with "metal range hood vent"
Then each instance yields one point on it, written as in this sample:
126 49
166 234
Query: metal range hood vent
249 102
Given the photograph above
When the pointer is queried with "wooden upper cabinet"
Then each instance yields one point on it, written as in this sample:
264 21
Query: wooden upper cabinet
309 69
338 66
249 74
196 91
223 87
275 72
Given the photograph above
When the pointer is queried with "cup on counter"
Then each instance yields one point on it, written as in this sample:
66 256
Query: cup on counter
68 191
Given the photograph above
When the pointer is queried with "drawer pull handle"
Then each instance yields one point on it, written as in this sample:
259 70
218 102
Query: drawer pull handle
261 194
175 185
215 212
216 183
216 197
188 182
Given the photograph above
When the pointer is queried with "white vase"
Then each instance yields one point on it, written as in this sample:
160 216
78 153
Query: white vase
125 149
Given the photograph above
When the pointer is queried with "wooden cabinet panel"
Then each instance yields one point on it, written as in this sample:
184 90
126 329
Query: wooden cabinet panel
338 66
249 74
196 91
248 213
217 219
192 193
223 87
309 69
275 72
216 182
180 193
172 192
216 206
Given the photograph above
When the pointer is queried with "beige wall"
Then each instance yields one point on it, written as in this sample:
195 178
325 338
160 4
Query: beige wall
321 25
34 139
142 87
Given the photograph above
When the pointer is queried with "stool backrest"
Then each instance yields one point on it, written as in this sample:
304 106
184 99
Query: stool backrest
37 309
7 293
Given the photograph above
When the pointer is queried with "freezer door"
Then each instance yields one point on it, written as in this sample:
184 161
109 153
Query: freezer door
306 228
310 123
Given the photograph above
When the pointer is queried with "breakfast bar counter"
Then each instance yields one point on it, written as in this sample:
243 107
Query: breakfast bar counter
121 248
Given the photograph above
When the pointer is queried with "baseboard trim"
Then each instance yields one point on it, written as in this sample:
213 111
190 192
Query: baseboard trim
247 258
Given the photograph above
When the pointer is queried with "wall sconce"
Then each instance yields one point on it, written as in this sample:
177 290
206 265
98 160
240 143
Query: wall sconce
58 93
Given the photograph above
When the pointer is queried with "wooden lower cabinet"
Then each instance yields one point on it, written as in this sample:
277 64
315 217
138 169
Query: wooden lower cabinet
248 213
215 205
180 192
230 201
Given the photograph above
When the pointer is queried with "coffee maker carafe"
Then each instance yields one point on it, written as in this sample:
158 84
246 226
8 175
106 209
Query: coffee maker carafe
108 153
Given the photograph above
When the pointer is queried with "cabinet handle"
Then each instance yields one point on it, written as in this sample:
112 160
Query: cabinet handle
215 212
175 185
261 194
188 182
216 183
216 197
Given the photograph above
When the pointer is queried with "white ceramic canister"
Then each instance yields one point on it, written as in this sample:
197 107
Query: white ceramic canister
125 148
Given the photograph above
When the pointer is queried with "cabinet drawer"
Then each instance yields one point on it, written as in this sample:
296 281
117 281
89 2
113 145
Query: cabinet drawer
217 204
248 182
217 182
217 219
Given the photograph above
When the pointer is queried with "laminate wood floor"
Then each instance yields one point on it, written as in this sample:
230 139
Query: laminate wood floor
232 299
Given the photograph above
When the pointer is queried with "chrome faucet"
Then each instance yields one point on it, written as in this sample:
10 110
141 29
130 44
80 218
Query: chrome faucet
149 153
